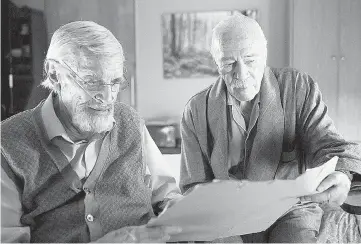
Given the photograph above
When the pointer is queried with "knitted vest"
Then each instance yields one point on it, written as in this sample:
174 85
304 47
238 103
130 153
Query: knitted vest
59 207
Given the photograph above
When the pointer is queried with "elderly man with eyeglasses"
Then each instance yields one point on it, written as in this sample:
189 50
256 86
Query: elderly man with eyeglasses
81 166
259 123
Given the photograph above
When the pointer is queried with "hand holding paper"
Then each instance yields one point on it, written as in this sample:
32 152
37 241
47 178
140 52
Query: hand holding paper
308 182
229 208
333 189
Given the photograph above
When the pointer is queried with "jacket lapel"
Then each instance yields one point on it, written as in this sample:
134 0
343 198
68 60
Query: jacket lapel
267 146
217 122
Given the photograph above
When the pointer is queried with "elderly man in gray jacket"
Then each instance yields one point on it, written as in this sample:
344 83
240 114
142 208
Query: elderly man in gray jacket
259 123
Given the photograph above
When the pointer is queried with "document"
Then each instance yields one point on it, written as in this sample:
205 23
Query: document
228 208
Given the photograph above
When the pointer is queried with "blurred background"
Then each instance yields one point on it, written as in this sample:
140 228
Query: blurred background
320 37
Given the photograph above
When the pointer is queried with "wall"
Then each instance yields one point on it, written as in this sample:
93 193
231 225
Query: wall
327 45
35 4
38 49
116 15
157 97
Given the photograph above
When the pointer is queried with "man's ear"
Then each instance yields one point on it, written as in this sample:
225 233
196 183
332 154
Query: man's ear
53 75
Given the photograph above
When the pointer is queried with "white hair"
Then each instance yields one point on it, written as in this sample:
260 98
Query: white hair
229 33
75 41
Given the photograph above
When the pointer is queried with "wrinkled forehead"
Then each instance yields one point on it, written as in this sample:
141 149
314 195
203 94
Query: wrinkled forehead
99 66
253 50
236 33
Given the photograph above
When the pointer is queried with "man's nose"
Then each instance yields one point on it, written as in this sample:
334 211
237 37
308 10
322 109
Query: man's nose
241 70
106 94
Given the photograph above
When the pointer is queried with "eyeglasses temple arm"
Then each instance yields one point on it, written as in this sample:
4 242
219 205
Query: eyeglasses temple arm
88 93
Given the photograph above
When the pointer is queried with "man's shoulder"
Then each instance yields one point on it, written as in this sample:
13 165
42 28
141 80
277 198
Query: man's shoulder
20 121
293 80
19 131
122 109
125 116
287 74
199 99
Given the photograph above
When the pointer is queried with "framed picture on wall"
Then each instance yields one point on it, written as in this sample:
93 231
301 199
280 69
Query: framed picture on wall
187 39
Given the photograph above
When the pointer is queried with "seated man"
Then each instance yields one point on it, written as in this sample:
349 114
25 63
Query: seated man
80 166
258 123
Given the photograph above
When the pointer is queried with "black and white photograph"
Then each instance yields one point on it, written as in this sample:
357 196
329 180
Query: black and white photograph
180 121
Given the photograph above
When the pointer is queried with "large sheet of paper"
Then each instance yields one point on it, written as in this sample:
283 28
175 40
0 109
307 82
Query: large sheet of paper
229 208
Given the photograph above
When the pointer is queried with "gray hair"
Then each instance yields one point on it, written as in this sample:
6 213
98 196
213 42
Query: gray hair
229 33
79 39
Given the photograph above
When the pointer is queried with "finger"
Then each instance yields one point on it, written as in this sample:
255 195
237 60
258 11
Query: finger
339 195
332 195
328 182
343 179
160 231
151 234
153 237
172 202
319 197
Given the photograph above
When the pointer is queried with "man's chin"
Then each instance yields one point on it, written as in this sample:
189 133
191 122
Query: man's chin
95 123
103 125
244 94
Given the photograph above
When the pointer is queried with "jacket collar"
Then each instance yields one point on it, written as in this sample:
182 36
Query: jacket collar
267 147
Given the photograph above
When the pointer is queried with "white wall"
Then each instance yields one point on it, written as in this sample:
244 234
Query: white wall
35 4
174 164
157 97
116 15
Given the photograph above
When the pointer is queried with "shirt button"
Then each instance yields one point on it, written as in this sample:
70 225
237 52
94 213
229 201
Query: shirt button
90 218
87 190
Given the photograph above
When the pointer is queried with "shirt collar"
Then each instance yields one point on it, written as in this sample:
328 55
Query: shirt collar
53 126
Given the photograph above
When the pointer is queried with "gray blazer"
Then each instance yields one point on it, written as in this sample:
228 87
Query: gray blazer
293 128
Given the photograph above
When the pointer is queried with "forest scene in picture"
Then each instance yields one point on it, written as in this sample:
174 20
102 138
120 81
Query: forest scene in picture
187 40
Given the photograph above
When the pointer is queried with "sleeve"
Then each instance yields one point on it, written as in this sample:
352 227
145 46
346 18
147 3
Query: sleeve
11 211
195 166
319 137
158 173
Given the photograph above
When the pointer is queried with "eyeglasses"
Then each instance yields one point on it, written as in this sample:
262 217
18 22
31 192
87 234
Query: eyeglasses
91 87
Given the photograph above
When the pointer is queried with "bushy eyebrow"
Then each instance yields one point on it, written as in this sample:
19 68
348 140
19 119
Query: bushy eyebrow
86 75
117 80
114 80
89 74
225 59
252 55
